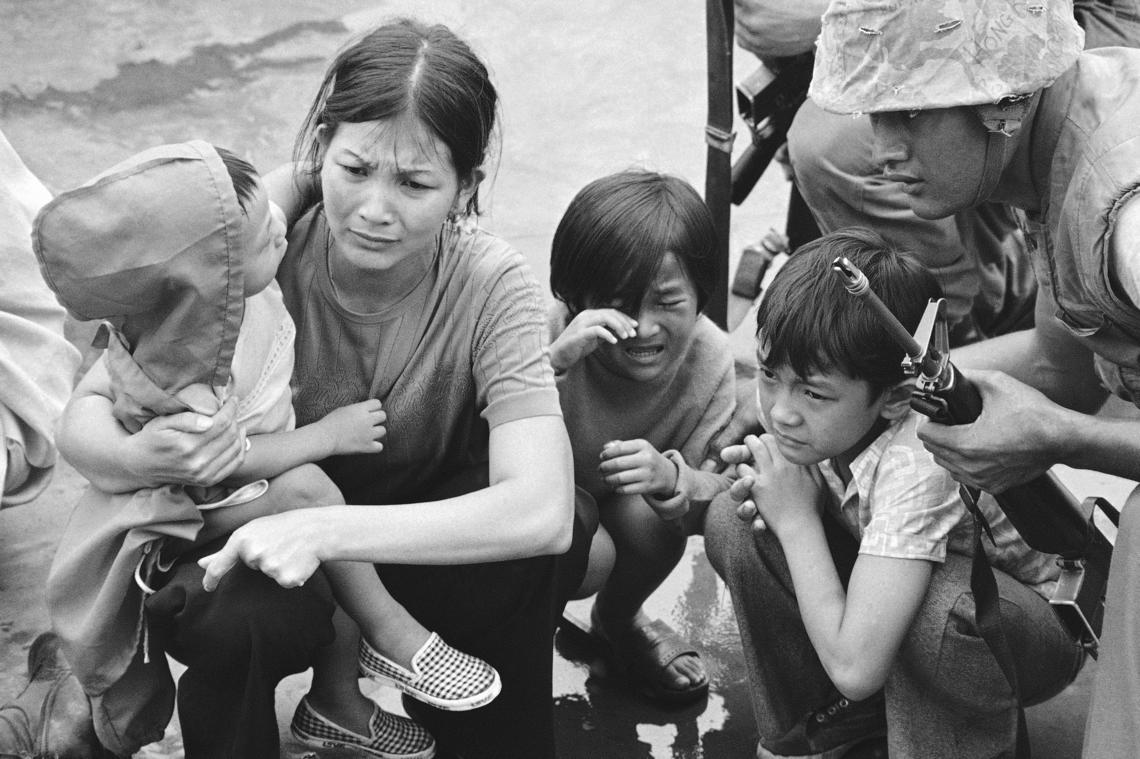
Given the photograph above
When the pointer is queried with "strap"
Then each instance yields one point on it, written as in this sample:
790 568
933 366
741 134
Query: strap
987 617
997 144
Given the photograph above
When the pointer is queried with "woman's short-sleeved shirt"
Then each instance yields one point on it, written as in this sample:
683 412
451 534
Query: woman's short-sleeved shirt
465 351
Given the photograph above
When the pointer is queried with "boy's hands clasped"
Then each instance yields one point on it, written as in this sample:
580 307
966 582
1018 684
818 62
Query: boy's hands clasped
773 493
584 333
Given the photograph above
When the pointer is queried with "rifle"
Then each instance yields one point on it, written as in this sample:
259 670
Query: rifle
767 100
1045 513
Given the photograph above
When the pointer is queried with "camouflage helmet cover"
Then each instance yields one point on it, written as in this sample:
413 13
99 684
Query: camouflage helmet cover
902 55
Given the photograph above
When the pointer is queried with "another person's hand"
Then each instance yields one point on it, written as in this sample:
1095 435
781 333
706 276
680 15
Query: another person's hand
773 490
745 421
355 428
586 331
188 448
281 546
1009 444
634 467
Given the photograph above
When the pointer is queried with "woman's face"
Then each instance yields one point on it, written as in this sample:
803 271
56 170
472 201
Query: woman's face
388 188
936 155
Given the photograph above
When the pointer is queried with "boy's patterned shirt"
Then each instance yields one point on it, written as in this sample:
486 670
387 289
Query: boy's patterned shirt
901 504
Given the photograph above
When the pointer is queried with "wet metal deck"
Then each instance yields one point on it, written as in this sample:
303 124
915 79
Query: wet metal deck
587 88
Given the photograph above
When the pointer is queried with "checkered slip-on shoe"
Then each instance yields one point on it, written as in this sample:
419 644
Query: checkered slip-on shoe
441 676
391 736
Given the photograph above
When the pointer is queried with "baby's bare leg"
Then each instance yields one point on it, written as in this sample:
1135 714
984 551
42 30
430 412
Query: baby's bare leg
383 621
299 488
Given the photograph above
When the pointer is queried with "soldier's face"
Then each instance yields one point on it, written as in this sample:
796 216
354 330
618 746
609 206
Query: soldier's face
937 156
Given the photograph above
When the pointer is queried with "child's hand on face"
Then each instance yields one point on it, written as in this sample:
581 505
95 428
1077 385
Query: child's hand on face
636 467
584 332
356 428
773 492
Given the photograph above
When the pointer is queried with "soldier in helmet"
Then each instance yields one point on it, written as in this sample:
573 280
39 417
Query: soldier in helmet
975 100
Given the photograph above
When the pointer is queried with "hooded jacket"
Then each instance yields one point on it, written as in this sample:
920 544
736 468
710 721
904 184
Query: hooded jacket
151 247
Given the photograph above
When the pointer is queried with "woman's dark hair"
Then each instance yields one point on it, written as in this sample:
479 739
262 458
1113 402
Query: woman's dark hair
242 174
615 233
407 68
809 322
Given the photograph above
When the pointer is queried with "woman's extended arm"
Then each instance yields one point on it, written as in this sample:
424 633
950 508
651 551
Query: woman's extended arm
186 449
527 510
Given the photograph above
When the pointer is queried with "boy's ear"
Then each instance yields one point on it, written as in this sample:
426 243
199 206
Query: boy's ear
896 399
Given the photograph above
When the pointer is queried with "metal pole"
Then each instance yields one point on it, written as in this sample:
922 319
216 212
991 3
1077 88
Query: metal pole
719 135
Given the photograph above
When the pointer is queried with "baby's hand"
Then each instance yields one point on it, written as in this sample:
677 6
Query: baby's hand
636 467
356 428
582 335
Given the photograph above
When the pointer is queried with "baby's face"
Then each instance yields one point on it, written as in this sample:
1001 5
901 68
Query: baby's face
263 241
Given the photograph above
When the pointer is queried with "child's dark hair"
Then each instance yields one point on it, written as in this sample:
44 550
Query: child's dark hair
809 322
617 230
242 174
407 68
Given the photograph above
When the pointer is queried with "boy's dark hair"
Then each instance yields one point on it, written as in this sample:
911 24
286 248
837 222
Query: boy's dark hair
242 174
809 321
615 233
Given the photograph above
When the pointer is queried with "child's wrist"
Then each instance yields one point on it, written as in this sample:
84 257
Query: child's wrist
672 480
326 440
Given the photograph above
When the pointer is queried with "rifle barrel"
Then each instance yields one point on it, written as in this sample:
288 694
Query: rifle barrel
857 284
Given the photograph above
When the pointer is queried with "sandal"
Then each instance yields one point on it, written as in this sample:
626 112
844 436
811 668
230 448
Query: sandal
644 652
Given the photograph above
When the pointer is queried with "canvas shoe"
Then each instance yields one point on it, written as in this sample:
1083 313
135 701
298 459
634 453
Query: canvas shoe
441 676
390 735
839 724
